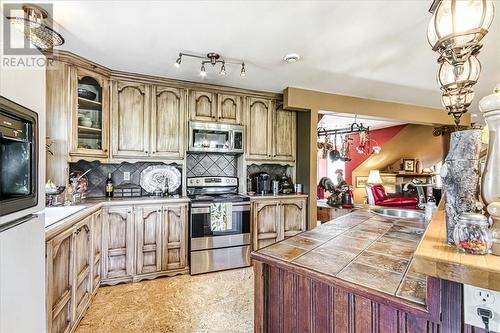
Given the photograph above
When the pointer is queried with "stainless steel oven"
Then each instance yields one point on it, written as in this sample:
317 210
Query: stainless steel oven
18 157
215 138
217 250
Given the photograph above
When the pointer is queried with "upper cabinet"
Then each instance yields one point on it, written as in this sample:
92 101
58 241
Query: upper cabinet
209 106
130 119
167 122
271 131
147 121
90 116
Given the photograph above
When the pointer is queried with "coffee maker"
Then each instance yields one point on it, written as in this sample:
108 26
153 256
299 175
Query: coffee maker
262 183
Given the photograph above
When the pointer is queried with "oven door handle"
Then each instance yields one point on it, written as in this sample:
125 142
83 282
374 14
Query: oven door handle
206 210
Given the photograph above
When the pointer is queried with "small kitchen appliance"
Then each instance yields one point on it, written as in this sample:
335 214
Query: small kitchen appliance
215 249
262 183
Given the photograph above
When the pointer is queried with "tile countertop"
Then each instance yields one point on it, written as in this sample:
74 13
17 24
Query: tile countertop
60 218
434 257
361 248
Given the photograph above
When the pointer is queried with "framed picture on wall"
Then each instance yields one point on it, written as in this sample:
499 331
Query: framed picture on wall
361 181
409 164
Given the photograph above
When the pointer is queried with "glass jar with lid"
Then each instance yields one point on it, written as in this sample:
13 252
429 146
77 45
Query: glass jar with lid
471 233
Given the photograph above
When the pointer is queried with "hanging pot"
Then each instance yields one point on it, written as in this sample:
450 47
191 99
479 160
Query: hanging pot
335 154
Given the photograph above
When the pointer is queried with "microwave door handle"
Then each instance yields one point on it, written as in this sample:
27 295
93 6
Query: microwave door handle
231 140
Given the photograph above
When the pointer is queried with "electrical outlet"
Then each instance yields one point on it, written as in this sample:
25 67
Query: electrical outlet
126 175
479 300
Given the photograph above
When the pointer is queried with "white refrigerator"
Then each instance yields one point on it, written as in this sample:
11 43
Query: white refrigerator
22 276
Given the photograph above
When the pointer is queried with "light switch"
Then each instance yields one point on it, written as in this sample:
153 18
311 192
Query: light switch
478 303
126 175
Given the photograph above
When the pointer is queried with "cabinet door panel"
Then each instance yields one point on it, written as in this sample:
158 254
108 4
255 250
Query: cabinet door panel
83 261
175 236
229 109
266 226
167 121
130 119
258 129
284 135
202 106
293 214
117 243
97 248
60 282
149 221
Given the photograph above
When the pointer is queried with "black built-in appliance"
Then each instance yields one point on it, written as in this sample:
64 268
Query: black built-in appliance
262 183
18 157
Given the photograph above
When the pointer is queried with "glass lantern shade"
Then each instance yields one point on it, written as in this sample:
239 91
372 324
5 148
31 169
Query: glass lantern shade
458 100
457 26
459 75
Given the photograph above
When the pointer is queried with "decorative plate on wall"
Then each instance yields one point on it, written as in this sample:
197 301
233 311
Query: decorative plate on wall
153 178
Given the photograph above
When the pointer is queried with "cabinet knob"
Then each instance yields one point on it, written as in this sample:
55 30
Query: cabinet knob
146 151
105 150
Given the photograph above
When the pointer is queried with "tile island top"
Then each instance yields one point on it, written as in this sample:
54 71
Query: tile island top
361 248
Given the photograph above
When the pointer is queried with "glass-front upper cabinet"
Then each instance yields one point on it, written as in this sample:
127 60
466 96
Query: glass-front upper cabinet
90 138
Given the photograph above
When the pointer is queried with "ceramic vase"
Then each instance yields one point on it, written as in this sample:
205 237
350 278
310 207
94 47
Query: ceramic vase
460 173
490 184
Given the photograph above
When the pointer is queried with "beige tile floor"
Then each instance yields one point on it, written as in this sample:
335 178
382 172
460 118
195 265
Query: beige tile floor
212 303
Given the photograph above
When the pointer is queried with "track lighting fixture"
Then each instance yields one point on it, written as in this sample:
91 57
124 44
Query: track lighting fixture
213 59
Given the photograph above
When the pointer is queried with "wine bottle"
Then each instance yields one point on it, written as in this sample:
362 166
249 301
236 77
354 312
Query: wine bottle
109 186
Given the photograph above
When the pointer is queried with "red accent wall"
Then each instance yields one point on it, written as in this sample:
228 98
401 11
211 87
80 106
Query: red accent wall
381 136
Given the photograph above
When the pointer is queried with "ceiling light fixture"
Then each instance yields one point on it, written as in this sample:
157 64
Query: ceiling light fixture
213 59
203 72
292 57
222 69
243 72
455 32
36 27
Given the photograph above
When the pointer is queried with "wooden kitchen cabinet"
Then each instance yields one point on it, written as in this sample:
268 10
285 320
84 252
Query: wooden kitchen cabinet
271 131
130 119
276 219
149 225
82 279
284 134
117 245
266 223
90 115
175 236
60 282
293 216
229 109
202 105
147 121
167 123
259 129
215 107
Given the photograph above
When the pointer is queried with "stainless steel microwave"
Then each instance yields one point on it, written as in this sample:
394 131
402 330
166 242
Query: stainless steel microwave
208 137
18 157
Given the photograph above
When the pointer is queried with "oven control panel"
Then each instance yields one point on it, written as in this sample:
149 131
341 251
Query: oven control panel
212 181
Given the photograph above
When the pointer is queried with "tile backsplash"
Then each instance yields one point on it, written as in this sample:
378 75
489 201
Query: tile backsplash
211 165
97 177
274 170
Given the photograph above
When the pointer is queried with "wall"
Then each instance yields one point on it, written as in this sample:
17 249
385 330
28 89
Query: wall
381 136
211 165
22 268
413 141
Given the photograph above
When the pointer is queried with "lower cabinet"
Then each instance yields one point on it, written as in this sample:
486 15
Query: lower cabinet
276 219
117 244
113 245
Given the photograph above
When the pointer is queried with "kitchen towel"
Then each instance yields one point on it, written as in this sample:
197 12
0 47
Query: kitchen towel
221 214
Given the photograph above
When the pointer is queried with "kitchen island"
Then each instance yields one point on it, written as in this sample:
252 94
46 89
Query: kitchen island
352 274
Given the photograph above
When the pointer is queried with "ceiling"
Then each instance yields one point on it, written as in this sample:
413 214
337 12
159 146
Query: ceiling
339 120
372 49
